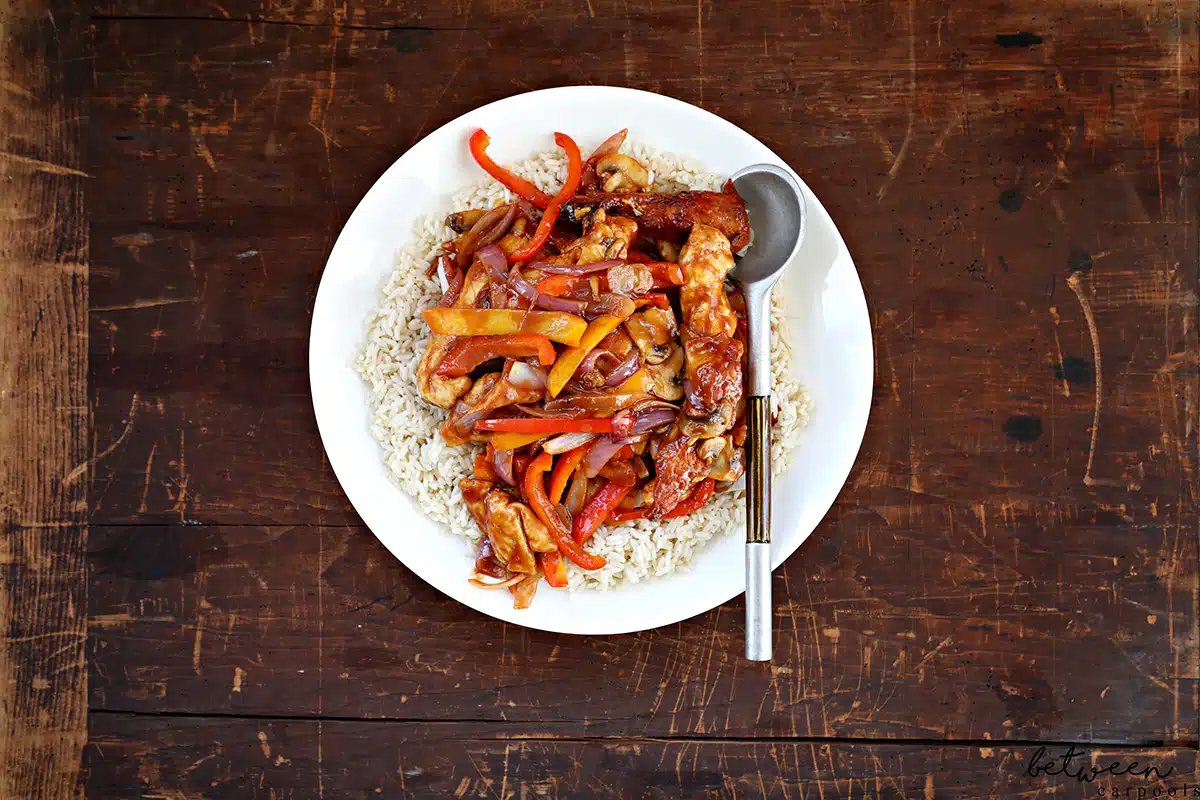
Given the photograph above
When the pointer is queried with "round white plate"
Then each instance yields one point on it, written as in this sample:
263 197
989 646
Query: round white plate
827 315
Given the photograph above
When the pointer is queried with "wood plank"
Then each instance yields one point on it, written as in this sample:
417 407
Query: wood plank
170 757
774 35
929 622
43 411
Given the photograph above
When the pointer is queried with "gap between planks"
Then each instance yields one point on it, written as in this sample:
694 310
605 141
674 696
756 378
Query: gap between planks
527 735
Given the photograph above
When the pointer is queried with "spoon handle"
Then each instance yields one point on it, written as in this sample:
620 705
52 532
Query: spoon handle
758 473
758 528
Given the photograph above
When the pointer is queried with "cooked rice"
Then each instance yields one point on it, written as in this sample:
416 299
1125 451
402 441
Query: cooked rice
429 471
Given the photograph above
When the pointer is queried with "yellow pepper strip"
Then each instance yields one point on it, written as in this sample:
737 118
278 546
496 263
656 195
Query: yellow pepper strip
557 326
511 441
572 357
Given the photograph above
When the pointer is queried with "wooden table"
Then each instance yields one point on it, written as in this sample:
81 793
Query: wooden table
192 608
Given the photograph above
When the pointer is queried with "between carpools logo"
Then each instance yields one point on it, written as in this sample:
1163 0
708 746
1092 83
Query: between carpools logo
1074 764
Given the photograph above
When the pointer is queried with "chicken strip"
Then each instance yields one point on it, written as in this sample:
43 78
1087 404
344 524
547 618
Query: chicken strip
604 237
713 382
511 526
490 392
438 389
714 358
680 463
669 214
705 260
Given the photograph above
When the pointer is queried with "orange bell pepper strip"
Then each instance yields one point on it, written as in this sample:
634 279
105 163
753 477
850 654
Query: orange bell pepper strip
597 510
572 357
478 143
468 353
550 216
554 568
693 502
563 469
535 493
562 285
557 326
511 441
545 426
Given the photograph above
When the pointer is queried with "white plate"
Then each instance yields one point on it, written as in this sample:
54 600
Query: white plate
826 307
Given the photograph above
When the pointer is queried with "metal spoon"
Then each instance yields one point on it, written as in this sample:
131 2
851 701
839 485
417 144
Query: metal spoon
777 219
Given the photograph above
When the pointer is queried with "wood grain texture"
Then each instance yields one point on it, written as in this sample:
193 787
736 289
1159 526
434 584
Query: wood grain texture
1018 188
222 758
321 620
43 411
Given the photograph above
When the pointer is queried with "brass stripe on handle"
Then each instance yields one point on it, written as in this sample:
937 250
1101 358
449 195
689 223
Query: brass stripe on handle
758 471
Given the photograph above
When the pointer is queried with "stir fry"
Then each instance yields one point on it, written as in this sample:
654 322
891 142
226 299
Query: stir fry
587 346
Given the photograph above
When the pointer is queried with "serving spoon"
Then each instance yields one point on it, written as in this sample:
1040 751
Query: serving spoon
777 222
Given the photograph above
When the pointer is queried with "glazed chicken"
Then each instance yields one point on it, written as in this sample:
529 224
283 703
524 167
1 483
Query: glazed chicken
669 214
595 365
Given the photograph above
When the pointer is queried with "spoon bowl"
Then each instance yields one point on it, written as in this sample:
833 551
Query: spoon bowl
778 220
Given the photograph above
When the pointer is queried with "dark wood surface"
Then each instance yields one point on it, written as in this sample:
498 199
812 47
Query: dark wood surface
1013 561
43 404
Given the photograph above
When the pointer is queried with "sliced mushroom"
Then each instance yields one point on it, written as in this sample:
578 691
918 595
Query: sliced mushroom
622 173
628 279
665 379
653 331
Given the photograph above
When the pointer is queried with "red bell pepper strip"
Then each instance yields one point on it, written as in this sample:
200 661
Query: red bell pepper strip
638 257
469 352
547 425
535 493
597 510
665 274
554 568
563 469
479 143
574 168
693 502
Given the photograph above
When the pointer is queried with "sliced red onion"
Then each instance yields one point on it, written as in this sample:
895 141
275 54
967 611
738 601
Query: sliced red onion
592 360
527 376
466 423
575 269
643 418
541 300
495 262
609 305
486 230
503 462
521 286
568 441
577 494
599 454
541 413
624 371
500 228
631 439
